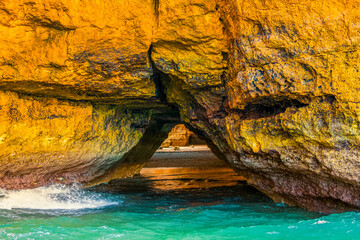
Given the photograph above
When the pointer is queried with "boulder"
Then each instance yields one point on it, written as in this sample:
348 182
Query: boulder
178 136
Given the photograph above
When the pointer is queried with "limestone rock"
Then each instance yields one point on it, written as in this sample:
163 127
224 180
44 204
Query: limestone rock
271 85
46 141
293 106
285 114
80 50
178 136
189 48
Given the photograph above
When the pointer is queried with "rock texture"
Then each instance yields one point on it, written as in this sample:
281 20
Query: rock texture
292 104
179 136
284 110
272 85
77 90
51 141
82 50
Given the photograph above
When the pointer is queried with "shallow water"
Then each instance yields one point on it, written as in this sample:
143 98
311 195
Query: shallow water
238 212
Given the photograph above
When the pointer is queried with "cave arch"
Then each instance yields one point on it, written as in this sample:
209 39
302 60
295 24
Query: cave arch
176 165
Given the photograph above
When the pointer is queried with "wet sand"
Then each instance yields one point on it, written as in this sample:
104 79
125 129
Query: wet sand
188 168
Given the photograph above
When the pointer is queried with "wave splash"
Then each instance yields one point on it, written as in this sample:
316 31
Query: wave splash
53 197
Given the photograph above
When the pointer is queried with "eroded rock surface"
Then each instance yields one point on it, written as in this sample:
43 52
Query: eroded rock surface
77 90
48 140
284 112
181 136
82 50
273 87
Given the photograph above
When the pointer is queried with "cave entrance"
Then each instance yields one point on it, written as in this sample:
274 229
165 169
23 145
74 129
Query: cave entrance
179 163
183 169
184 161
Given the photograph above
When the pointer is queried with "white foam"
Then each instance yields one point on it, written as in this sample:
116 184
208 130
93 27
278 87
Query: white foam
53 197
320 222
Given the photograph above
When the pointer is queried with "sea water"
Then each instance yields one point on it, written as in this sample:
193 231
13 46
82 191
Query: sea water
60 212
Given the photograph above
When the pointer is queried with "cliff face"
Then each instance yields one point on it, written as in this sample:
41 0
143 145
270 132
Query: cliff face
78 50
272 86
77 91
49 140
293 101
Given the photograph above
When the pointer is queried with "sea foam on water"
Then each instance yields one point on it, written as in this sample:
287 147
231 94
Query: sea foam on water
53 197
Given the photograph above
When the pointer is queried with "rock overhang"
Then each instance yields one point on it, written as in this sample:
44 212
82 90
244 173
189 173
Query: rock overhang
273 93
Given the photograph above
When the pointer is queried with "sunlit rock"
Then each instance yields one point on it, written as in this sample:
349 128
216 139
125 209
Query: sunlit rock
272 87
47 140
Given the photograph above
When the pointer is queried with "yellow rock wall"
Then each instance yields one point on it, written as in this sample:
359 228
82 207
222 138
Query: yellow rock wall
45 141
190 48
90 52
272 85
283 110
294 48
292 98
81 50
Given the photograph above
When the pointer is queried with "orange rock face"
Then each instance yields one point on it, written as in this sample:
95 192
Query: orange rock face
82 50
284 111
178 136
76 90
53 141
272 85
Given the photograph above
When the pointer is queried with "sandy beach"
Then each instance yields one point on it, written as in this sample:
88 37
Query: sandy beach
176 170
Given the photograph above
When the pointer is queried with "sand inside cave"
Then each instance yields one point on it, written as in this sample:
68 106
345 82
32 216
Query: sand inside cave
176 170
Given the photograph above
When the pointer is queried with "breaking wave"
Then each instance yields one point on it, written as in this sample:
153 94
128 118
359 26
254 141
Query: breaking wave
54 197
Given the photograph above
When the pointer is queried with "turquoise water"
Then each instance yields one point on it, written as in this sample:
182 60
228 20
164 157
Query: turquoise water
59 212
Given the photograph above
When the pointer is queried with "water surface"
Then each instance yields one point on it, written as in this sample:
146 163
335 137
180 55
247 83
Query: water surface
234 212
